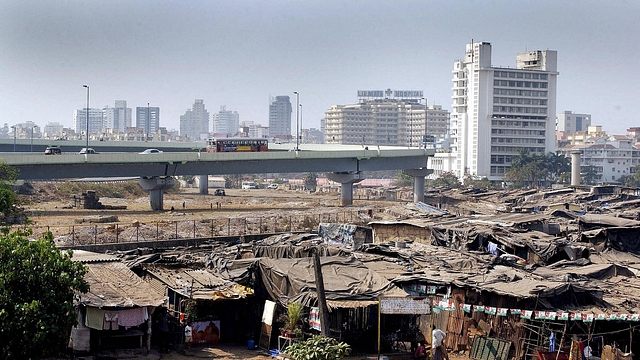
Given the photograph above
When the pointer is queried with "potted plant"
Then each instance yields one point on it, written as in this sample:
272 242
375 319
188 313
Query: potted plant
294 315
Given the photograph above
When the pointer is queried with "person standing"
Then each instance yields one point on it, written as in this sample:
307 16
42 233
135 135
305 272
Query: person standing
438 349
163 330
188 335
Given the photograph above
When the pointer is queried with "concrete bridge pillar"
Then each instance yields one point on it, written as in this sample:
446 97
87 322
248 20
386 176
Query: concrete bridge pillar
418 182
155 186
203 184
575 167
346 181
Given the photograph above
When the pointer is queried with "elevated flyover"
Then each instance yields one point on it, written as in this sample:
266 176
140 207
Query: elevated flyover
343 163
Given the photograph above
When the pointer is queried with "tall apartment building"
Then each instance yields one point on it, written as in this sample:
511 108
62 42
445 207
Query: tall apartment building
497 112
194 124
571 123
148 119
118 117
385 117
225 122
280 117
96 121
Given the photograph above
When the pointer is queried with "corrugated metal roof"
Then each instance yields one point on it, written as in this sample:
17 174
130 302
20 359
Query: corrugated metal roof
112 284
84 257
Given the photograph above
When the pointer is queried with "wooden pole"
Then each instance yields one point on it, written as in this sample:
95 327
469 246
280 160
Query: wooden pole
564 331
322 299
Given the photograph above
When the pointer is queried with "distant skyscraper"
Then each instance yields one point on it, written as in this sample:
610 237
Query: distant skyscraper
194 124
497 112
225 122
95 121
571 123
148 118
53 130
117 117
280 117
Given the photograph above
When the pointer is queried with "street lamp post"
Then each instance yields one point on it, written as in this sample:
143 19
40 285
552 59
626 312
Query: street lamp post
31 139
14 138
147 125
301 128
87 134
297 118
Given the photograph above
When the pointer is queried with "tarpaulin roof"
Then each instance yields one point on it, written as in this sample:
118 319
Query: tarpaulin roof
345 278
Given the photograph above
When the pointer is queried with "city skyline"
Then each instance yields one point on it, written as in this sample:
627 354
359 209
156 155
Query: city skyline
240 54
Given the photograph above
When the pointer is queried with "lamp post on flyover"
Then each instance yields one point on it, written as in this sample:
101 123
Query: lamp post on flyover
14 137
301 128
87 134
32 138
146 125
297 117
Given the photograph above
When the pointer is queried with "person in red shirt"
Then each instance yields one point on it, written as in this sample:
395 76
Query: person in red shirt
421 352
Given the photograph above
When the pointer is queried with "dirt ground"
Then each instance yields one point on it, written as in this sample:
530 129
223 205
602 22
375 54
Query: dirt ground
188 204
239 212
232 352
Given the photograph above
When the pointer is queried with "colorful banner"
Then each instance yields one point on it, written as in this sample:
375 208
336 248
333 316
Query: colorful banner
531 314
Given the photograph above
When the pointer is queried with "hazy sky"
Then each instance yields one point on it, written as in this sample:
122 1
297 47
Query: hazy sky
238 53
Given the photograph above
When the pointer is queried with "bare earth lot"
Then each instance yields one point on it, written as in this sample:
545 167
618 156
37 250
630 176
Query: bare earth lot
193 215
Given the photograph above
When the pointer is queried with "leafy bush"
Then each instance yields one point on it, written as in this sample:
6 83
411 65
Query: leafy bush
318 347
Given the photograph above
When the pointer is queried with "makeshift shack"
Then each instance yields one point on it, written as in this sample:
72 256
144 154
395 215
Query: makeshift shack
116 312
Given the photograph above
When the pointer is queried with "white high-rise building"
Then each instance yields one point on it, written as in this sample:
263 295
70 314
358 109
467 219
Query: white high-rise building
280 117
194 124
570 123
96 121
225 122
498 111
117 117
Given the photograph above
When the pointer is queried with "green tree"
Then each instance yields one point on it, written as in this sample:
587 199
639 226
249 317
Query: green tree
447 179
633 179
37 287
471 181
8 198
536 170
589 175
403 180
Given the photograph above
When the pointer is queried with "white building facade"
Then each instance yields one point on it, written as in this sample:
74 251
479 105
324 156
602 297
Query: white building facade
226 122
496 112
610 157
118 117
571 123
194 124
96 121
385 117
